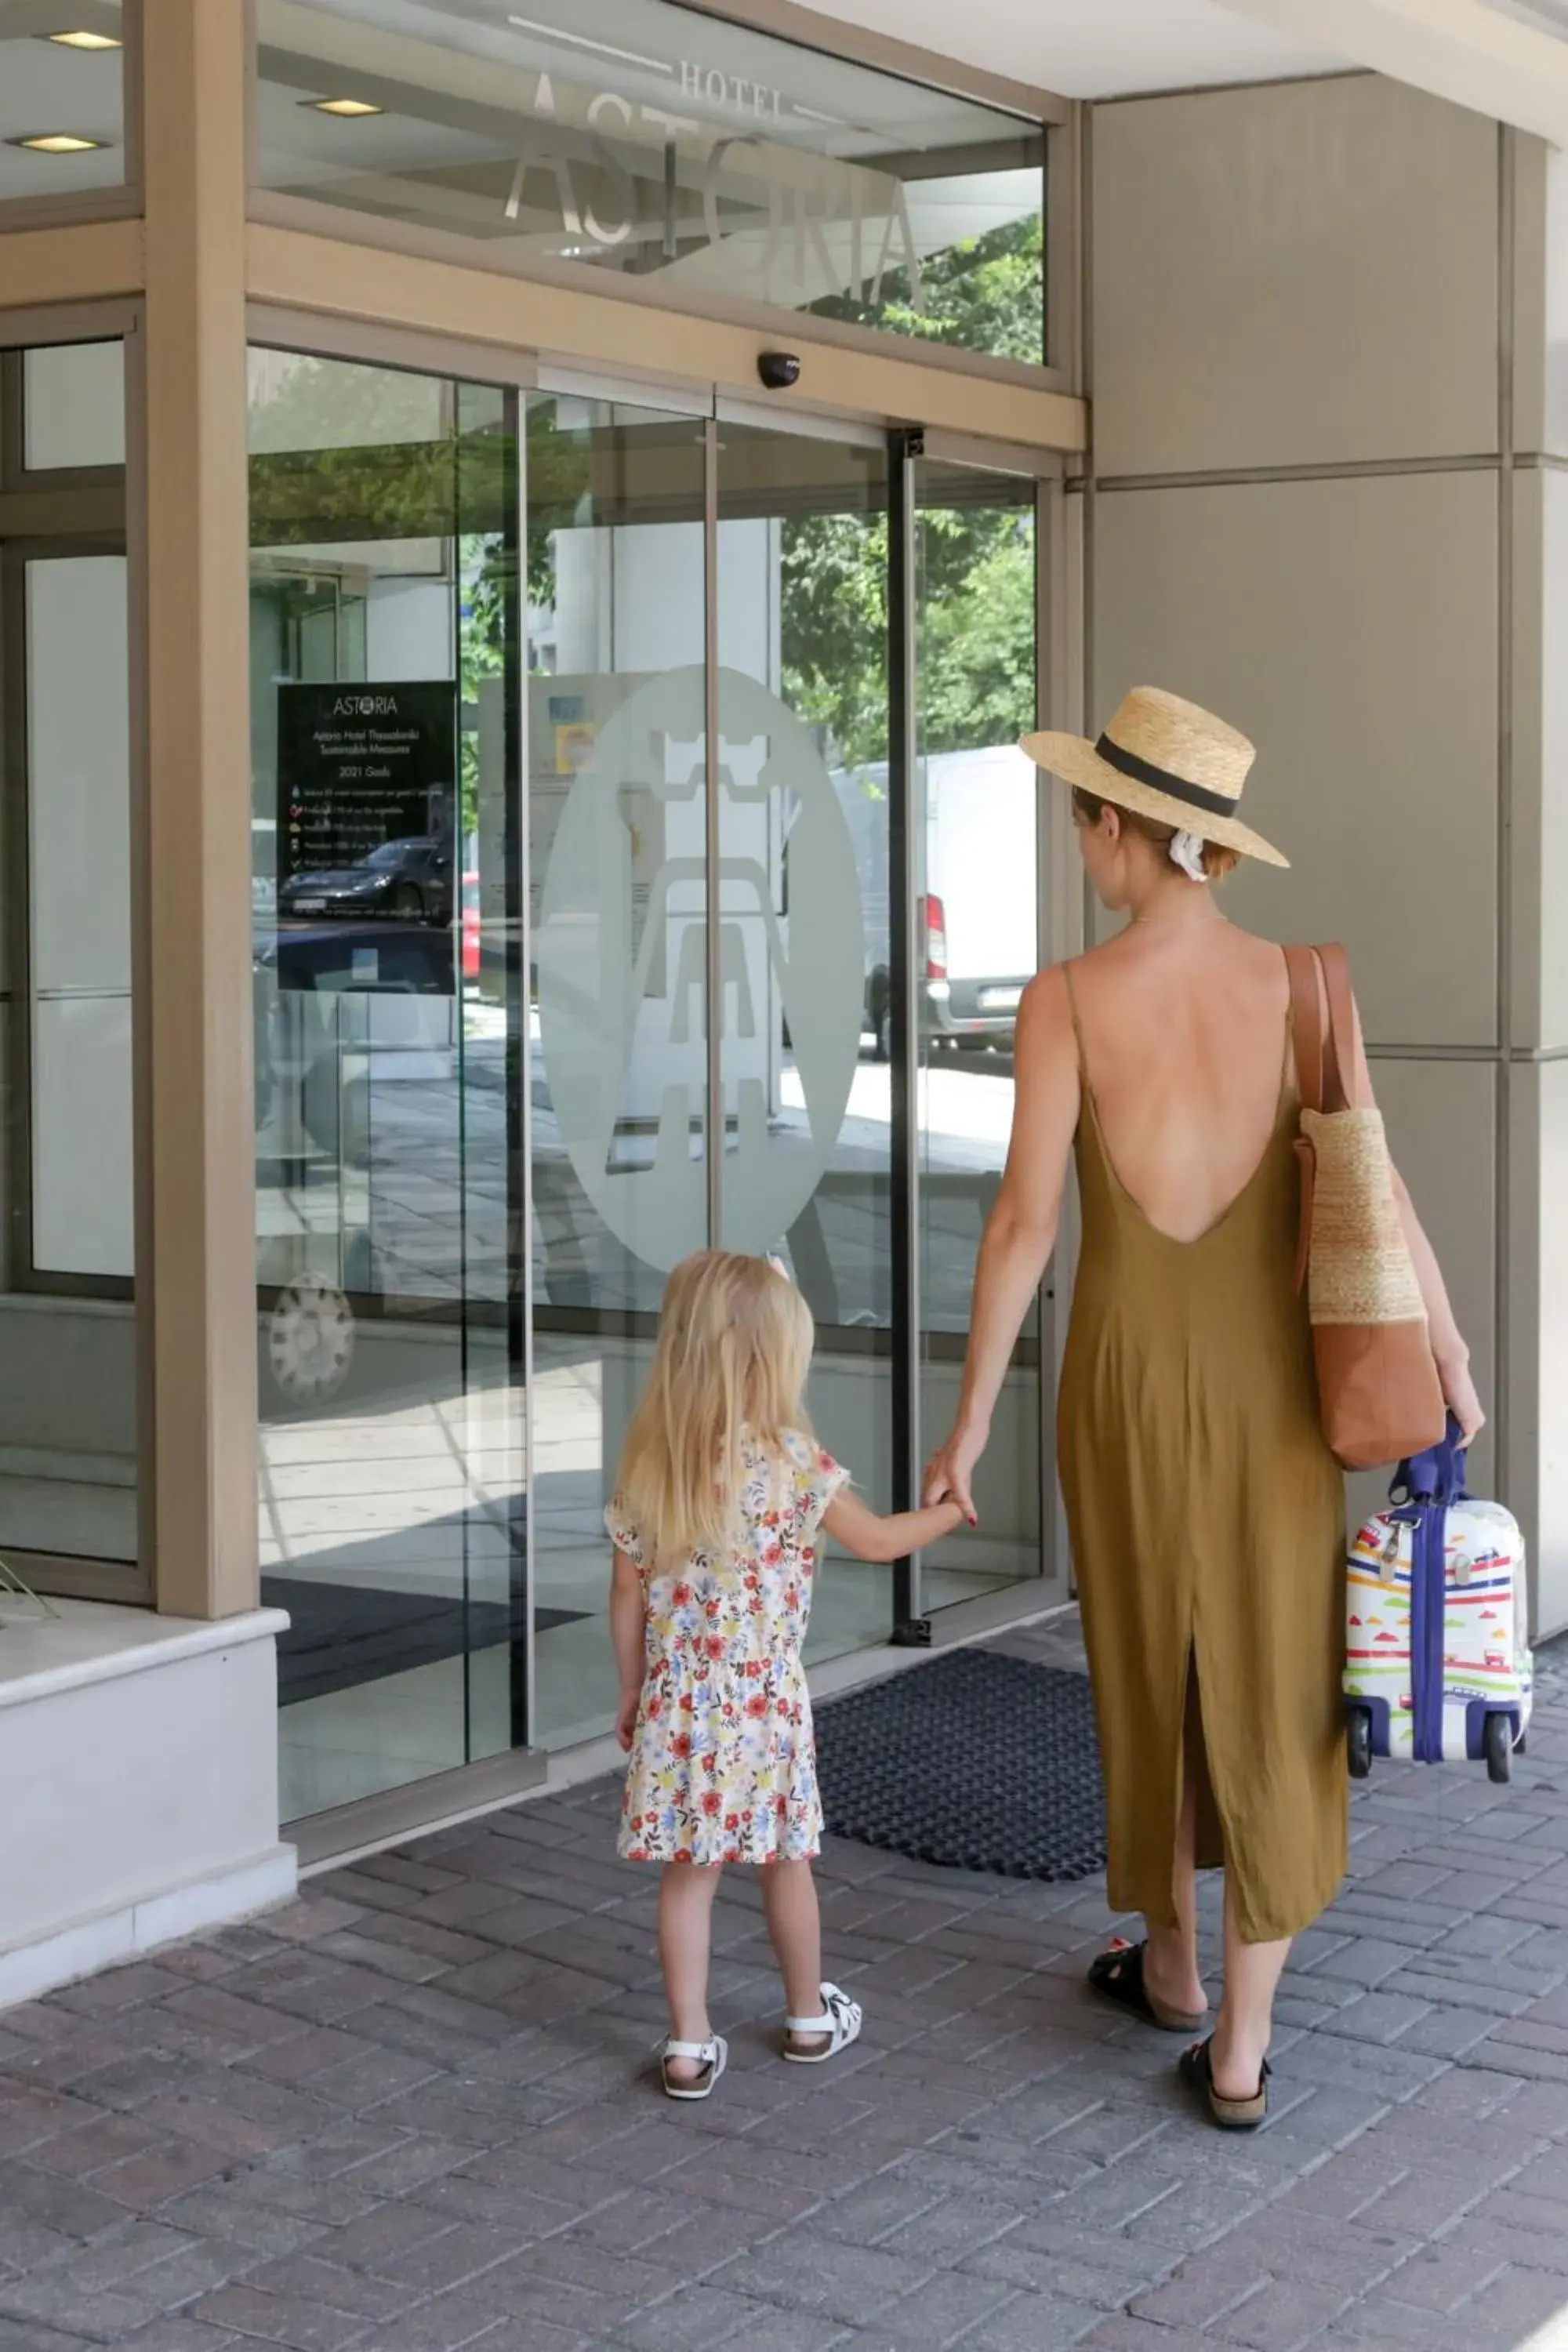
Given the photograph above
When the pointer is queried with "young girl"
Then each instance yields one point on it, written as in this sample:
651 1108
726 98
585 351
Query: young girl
715 1521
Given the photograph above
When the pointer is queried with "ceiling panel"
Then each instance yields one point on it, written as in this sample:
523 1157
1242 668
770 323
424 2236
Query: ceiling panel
1096 48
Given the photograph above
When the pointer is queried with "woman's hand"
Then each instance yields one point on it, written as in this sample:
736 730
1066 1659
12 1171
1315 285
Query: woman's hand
950 1471
1459 1395
627 1718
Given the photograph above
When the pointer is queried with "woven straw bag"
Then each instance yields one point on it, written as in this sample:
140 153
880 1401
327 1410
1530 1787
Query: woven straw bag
1377 1383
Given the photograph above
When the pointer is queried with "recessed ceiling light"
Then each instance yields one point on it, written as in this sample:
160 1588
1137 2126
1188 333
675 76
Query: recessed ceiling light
84 40
353 107
57 142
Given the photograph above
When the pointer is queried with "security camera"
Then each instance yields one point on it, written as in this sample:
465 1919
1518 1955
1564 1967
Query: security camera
778 370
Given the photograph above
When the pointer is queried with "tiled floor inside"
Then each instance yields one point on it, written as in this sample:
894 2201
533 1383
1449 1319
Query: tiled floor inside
417 2111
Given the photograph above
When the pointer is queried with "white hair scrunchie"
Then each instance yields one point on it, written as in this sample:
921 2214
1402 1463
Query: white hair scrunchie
1188 852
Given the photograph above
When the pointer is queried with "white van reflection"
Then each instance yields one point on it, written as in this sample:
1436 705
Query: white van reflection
978 936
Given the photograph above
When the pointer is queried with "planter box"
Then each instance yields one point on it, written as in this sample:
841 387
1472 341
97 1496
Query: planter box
139 1766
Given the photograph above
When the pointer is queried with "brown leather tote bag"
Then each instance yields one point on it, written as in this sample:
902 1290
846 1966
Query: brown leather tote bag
1381 1398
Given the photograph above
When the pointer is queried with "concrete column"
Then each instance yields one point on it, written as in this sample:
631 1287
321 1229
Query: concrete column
1310 507
196 979
1537 975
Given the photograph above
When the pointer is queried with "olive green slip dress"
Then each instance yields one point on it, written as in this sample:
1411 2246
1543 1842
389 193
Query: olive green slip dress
1206 1517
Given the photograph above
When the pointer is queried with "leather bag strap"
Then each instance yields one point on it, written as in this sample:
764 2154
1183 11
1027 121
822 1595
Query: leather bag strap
1325 1056
1307 1024
1340 1055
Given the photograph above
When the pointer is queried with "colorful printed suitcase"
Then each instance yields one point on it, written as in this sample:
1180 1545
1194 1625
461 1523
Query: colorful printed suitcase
1437 1662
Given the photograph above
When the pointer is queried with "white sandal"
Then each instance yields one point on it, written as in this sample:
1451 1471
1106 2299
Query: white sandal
839 2023
714 2056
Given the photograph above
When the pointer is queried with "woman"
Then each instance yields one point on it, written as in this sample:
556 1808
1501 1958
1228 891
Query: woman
1206 1511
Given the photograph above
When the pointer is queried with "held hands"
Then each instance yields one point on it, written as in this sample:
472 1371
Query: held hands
1459 1395
950 1471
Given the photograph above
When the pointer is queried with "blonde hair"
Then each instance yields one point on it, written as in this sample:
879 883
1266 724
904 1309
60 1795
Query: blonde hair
733 1350
1217 862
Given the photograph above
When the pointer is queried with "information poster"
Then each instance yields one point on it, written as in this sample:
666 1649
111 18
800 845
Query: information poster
367 826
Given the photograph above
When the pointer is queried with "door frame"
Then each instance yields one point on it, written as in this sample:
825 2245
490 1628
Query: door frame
913 1622
312 331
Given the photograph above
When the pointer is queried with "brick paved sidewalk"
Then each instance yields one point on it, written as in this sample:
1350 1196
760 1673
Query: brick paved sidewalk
417 2111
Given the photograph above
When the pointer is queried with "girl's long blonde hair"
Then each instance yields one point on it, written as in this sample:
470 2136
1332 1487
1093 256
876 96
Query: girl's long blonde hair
733 1350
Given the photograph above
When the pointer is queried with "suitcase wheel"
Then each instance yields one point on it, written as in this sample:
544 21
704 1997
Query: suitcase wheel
1358 1740
1499 1746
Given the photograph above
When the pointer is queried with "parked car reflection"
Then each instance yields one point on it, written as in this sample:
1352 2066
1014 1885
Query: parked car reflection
411 879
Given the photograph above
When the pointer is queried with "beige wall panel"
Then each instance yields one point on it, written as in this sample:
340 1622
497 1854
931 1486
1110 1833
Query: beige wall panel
1529 162
1305 274
1531 724
71 265
1538 752
1554 303
1542 797
1350 627
1442 1131
1538 1312
1551 1291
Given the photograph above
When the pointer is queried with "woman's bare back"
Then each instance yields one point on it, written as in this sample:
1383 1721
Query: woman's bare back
1185 1030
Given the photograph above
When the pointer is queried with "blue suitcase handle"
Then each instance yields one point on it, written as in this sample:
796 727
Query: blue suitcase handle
1436 1476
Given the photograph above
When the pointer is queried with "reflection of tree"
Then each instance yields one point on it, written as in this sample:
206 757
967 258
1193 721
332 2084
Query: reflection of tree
976 627
486 584
975 633
344 453
976 563
350 459
833 602
983 294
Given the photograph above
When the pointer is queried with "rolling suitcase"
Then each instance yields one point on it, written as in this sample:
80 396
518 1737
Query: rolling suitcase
1437 1664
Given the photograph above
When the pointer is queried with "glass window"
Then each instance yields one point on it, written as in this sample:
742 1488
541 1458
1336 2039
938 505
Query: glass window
528 1031
977 946
67 1325
62 99
618 845
385 816
804 845
664 143
73 407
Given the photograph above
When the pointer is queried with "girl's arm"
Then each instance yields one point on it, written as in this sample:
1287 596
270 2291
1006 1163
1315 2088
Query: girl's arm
1449 1348
869 1535
628 1612
1021 1231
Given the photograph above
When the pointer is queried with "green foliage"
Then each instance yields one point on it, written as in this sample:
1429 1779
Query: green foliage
976 633
976 563
344 453
983 294
975 627
833 602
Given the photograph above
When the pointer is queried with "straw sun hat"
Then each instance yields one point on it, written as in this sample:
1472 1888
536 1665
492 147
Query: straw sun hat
1164 759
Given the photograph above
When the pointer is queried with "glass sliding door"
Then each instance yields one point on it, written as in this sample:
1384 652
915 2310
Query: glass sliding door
609 759
386 818
974 872
617 1057
802 910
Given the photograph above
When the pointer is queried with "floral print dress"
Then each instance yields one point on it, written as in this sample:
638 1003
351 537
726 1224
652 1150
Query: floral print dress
723 1767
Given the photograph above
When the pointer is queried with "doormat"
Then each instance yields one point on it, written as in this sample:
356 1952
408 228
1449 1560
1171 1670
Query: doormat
343 1635
979 1761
